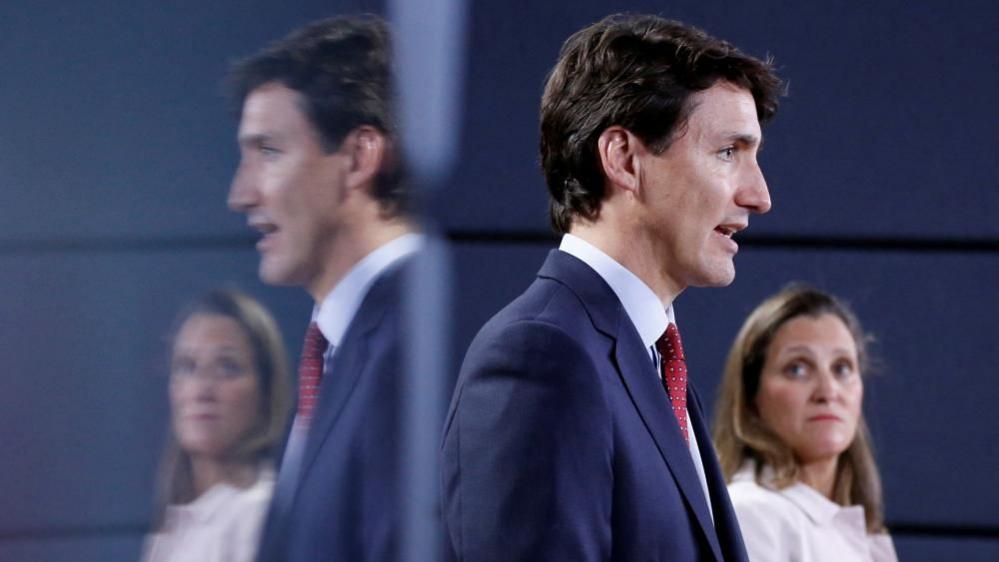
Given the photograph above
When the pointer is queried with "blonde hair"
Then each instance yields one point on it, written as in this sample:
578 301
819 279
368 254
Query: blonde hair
740 434
176 481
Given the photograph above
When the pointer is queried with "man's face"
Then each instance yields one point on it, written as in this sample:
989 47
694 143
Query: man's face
701 190
289 187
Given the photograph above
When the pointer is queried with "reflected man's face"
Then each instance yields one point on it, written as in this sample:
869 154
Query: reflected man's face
290 187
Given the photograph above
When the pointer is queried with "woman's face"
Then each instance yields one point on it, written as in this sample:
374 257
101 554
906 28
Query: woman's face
214 386
810 389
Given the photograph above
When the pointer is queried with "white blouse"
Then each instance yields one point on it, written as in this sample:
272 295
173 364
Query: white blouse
221 525
799 524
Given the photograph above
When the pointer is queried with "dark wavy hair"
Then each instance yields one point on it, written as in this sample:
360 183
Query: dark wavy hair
341 67
637 72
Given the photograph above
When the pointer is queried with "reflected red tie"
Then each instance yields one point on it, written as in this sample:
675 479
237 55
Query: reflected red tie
673 367
310 372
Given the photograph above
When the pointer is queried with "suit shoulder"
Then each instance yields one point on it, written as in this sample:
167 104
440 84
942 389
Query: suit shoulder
528 345
547 316
545 302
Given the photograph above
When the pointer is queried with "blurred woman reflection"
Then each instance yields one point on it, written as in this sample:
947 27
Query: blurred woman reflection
229 401
791 437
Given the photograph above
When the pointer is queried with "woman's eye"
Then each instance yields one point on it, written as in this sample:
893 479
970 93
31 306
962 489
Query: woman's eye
229 368
843 369
795 370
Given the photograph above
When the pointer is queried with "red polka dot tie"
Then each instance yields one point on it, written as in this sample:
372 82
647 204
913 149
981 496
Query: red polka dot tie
673 364
310 372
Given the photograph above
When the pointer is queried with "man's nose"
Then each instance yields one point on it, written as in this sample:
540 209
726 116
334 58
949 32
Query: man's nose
754 194
242 195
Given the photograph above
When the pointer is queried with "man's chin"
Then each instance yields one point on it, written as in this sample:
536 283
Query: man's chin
273 274
721 275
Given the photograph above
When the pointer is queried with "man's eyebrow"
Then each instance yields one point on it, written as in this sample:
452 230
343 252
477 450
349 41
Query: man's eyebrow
744 139
253 139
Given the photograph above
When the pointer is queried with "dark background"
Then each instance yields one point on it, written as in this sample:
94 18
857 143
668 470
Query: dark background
116 151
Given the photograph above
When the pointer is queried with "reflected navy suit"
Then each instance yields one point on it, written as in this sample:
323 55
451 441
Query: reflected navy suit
345 507
560 444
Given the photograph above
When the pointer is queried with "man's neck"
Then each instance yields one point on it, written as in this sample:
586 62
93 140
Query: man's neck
351 250
628 249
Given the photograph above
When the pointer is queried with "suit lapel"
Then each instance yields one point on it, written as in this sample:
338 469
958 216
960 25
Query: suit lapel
639 376
343 371
725 520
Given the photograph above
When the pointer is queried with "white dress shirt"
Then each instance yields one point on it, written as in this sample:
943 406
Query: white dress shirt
799 524
221 525
645 311
338 308
333 316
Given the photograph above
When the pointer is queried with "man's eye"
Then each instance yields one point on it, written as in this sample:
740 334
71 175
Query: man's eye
268 150
727 153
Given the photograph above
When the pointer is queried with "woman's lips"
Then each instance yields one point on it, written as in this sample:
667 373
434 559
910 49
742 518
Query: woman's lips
825 417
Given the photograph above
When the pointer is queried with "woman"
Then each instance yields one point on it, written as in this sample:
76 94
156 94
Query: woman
791 437
229 401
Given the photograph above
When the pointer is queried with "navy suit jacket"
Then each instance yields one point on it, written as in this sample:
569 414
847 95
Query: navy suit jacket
345 507
560 443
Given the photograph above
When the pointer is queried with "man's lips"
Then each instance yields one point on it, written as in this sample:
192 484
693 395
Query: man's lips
265 242
267 231
727 231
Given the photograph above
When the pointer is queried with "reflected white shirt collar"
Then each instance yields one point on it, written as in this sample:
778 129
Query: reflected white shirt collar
337 309
210 503
642 305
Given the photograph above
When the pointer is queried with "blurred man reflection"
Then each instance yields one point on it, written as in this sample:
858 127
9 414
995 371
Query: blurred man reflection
319 180
229 399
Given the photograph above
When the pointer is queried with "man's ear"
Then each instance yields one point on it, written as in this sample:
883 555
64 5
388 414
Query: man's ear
619 149
369 152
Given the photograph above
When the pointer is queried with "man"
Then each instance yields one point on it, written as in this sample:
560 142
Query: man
318 178
565 441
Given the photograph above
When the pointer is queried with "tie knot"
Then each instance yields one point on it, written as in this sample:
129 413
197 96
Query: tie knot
669 345
315 343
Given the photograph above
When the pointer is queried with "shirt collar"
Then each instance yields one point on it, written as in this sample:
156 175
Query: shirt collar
641 304
813 504
205 507
337 309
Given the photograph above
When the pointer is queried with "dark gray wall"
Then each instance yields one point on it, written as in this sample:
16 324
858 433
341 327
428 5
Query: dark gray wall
116 152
